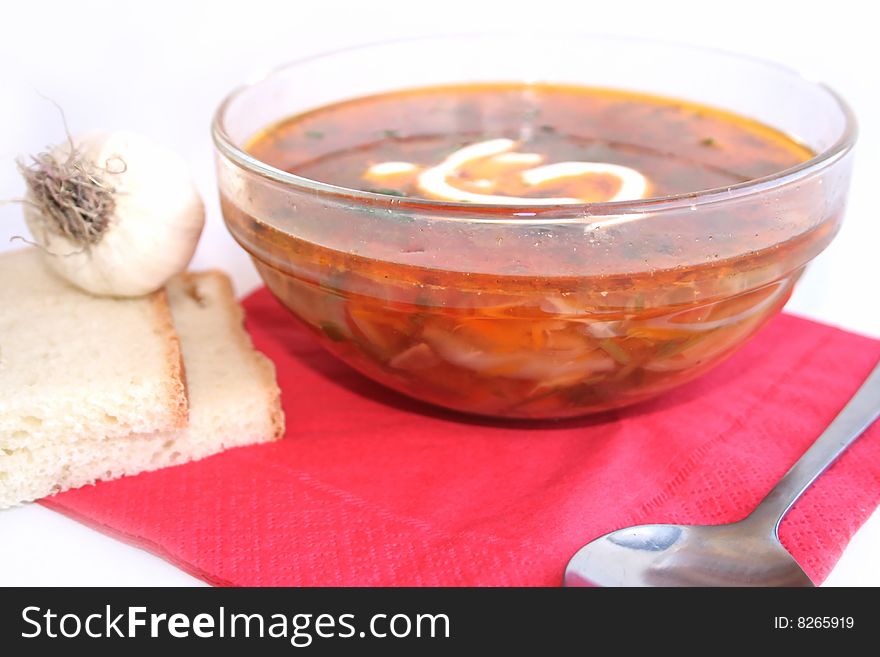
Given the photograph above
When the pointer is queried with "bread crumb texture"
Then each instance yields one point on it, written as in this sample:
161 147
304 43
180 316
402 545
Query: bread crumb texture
86 411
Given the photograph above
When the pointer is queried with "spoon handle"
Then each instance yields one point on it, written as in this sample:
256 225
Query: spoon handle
851 422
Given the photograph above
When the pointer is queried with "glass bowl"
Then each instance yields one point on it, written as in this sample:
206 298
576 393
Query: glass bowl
535 311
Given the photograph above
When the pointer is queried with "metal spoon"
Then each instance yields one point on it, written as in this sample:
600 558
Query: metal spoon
744 553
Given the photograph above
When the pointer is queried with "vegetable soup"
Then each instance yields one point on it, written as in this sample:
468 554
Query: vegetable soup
555 320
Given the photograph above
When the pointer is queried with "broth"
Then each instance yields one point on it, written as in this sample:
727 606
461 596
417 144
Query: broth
496 326
681 147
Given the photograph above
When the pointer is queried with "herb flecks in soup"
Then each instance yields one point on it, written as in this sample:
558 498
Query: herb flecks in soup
527 319
678 146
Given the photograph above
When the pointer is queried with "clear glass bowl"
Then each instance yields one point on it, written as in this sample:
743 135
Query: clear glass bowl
484 309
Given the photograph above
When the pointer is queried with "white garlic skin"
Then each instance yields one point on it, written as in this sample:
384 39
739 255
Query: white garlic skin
155 226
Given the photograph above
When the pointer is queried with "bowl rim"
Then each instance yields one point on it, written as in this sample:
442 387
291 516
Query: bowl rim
538 213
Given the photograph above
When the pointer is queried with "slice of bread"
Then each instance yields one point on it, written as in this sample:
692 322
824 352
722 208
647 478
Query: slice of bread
234 400
74 366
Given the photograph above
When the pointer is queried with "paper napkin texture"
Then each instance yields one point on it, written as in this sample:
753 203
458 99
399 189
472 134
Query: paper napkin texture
371 488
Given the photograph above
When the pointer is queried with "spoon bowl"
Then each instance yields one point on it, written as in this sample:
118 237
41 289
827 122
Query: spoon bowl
685 555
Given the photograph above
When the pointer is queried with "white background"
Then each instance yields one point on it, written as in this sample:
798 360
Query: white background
161 67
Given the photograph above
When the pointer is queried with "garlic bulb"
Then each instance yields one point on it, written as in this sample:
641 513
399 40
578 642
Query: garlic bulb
116 213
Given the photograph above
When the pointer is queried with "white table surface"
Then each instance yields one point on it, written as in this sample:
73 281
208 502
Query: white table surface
161 67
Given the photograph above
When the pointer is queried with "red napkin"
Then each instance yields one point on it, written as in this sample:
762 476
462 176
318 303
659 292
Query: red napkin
371 488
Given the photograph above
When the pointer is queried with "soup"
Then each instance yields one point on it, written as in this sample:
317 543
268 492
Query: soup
554 321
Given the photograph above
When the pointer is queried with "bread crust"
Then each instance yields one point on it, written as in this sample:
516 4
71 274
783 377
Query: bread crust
178 396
